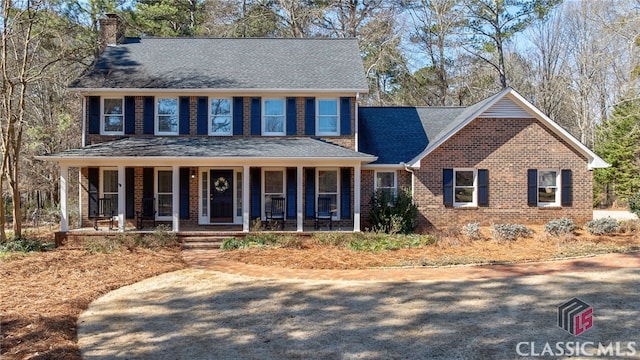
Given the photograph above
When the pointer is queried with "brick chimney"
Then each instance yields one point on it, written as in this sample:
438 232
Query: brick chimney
111 31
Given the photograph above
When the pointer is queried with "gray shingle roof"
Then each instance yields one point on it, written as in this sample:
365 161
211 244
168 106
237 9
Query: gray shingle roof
229 63
215 147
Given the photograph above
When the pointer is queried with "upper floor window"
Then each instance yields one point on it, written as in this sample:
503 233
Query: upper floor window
113 116
273 117
327 117
464 187
386 183
548 188
167 116
220 116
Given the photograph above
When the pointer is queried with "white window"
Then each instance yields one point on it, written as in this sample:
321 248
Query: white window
113 116
164 189
328 187
386 182
548 187
110 187
220 116
465 187
273 117
327 117
167 116
273 186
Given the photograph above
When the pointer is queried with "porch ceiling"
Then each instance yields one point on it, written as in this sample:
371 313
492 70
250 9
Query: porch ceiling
194 151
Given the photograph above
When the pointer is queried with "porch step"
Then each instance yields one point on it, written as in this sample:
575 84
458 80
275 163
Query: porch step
202 242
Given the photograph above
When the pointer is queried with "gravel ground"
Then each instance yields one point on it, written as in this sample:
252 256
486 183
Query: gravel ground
199 314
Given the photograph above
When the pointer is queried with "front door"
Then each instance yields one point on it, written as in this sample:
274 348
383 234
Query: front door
221 196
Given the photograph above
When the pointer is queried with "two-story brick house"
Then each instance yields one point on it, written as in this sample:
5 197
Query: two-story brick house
213 129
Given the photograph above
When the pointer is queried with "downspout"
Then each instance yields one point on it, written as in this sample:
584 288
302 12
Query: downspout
356 119
413 178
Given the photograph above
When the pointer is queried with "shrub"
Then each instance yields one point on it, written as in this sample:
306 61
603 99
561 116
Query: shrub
602 226
233 243
471 231
393 215
103 244
333 238
376 242
24 245
509 232
560 226
634 203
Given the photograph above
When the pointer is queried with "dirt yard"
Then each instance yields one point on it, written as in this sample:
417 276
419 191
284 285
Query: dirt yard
44 293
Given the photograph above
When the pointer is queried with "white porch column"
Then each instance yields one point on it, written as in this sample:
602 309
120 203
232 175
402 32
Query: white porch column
175 182
64 215
245 198
299 209
356 198
121 197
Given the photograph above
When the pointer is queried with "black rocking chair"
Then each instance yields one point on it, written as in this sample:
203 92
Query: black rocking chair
146 213
277 212
324 212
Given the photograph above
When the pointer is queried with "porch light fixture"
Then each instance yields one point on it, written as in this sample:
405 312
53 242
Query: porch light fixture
193 174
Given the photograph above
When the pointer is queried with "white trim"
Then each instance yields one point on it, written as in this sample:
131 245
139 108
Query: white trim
231 161
357 174
284 117
122 200
337 214
176 198
156 126
474 201
263 192
356 129
558 187
299 200
102 116
389 167
209 115
333 133
64 188
246 214
156 179
84 122
239 91
594 161
206 171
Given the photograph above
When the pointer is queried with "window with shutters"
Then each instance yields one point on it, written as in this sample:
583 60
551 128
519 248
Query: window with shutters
220 116
465 187
167 116
273 119
112 116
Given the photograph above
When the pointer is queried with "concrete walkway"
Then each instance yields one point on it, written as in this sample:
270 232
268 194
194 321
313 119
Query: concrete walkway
466 312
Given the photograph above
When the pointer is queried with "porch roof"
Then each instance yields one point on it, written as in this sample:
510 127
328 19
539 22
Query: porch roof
218 148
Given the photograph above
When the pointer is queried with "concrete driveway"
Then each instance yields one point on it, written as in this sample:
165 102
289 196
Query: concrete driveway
204 314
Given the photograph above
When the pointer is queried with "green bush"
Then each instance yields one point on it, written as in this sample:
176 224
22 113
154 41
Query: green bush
560 226
376 242
634 203
104 244
509 232
602 226
393 215
24 245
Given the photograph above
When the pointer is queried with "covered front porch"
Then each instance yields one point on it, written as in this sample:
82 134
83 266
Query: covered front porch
205 190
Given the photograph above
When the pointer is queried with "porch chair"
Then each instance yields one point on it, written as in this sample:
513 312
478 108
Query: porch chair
277 212
104 211
324 212
147 212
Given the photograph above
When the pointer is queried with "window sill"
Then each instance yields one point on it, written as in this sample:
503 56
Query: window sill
550 207
465 207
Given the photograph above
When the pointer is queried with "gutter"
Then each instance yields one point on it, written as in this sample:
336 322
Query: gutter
413 178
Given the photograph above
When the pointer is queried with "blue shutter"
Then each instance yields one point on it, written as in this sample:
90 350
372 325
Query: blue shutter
129 115
292 120
129 185
238 116
256 196
483 187
256 116
94 180
447 187
202 116
292 193
184 115
310 116
345 193
310 192
149 108
147 183
345 116
184 193
567 187
93 104
532 187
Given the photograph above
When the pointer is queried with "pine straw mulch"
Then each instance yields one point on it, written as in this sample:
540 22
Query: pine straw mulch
44 293
450 249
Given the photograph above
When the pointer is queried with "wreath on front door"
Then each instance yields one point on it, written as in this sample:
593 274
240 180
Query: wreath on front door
221 184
